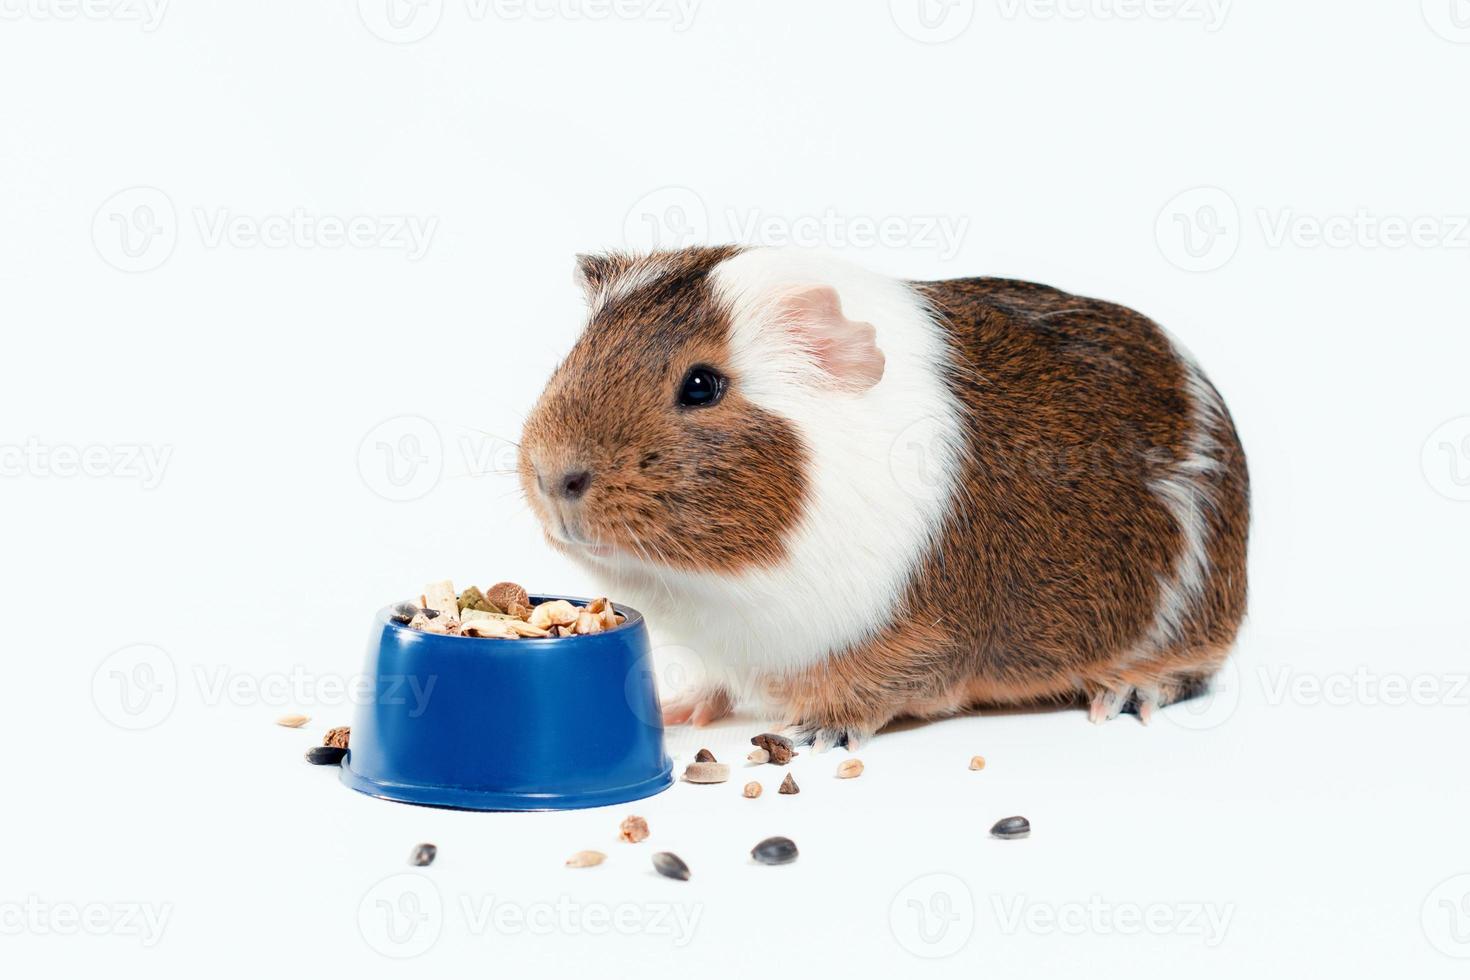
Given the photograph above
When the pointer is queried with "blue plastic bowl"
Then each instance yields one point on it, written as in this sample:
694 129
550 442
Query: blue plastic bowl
526 724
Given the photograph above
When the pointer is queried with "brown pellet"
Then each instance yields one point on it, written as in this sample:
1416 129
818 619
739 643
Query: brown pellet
705 755
788 786
779 746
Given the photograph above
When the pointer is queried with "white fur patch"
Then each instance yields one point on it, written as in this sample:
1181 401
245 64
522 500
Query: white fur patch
1188 491
865 529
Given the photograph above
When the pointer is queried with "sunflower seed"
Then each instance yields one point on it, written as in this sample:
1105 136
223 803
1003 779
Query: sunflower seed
850 769
586 859
774 850
706 772
423 855
292 721
669 865
779 746
404 612
705 755
977 762
788 786
325 755
1011 828
752 790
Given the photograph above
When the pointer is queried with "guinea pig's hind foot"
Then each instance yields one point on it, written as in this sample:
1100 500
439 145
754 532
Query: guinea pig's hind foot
822 738
1110 702
700 709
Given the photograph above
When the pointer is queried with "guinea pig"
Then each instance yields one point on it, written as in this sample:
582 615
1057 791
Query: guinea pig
860 498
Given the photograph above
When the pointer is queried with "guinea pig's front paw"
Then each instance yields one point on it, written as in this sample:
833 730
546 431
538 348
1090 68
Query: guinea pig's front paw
698 709
823 737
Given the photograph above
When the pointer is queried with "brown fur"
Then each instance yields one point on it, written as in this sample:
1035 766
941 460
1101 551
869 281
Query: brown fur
675 485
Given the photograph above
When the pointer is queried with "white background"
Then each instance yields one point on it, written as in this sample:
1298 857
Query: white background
1246 174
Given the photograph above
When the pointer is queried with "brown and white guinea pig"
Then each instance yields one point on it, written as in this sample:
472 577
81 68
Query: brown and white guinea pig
863 498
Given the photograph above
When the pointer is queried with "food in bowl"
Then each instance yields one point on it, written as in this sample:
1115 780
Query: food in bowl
503 611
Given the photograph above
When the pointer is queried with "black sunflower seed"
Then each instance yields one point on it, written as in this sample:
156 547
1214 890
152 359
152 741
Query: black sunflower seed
668 864
775 850
423 855
1011 828
325 755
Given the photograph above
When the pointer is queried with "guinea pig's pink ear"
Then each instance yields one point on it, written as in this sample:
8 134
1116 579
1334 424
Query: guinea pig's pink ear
845 350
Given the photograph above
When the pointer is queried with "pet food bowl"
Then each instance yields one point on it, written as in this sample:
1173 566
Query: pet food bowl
497 724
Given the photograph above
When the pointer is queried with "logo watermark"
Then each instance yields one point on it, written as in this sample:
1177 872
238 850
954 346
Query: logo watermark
138 229
1445 917
932 21
410 21
1210 14
1364 687
34 459
1199 229
147 14
404 915
404 458
1445 459
1450 19
35 916
1206 921
676 217
933 916
136 687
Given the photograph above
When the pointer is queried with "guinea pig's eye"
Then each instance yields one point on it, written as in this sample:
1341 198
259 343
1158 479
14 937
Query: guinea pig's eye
702 386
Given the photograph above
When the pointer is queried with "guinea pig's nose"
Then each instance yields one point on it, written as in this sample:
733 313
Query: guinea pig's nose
574 484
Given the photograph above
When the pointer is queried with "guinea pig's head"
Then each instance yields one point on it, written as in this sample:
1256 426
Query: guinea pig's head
661 438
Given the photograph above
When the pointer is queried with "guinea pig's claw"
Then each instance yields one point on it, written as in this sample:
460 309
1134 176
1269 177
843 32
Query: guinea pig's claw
1108 704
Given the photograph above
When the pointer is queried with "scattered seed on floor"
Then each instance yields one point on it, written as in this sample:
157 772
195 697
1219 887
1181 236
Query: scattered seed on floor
586 859
706 772
759 757
292 721
705 755
850 768
779 746
325 755
774 850
977 762
1011 828
338 738
633 829
788 786
669 865
751 790
423 855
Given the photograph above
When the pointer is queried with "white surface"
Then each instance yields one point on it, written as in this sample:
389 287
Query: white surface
1329 826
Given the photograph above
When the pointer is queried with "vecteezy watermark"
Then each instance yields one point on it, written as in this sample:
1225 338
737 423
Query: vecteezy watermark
933 916
1445 917
1206 921
136 687
300 688
34 916
408 21
401 916
138 229
1445 459
64 461
1450 19
932 21
1212 707
1210 14
404 915
1363 229
147 14
403 458
1199 229
676 217
1364 687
